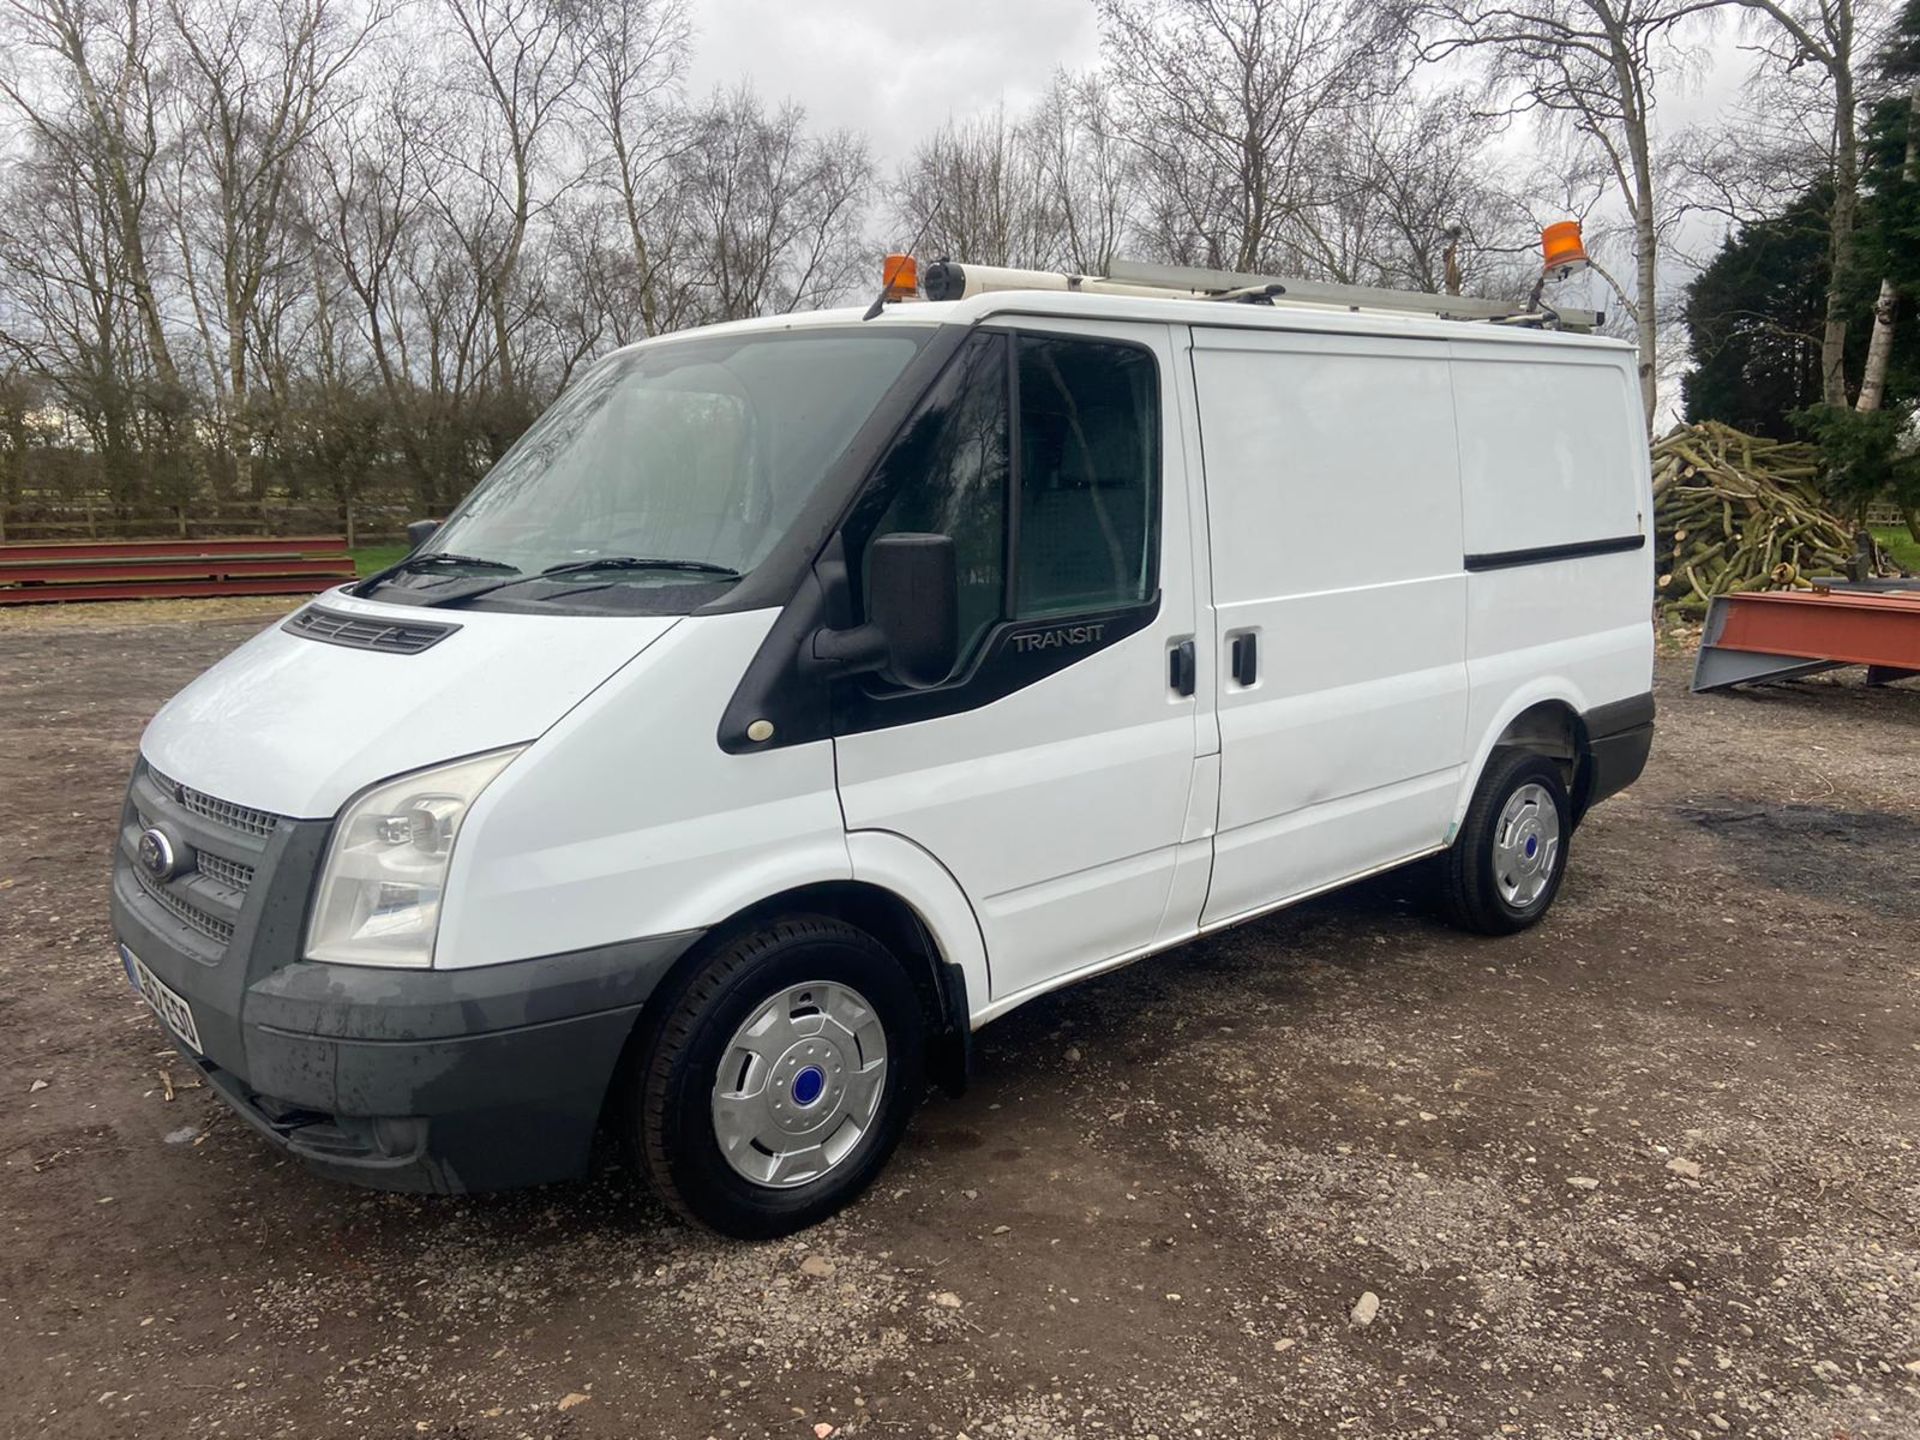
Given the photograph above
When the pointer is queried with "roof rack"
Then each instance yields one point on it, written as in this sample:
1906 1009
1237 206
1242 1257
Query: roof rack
951 280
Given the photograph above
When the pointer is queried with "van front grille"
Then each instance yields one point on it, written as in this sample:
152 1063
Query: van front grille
221 812
219 846
227 872
190 915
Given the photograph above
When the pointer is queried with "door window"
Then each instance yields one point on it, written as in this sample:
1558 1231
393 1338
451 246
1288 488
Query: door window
1055 515
1089 476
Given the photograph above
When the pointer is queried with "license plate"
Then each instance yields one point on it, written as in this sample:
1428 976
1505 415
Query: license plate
174 1012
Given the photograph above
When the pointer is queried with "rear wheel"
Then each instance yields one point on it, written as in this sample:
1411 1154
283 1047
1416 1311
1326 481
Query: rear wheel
778 1077
1507 861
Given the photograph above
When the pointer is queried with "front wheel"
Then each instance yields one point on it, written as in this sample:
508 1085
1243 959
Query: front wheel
1506 863
779 1077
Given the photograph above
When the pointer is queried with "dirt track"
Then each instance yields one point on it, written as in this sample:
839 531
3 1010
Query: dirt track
1151 1216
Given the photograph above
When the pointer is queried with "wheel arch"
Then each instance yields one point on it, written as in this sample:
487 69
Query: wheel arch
1547 718
946 988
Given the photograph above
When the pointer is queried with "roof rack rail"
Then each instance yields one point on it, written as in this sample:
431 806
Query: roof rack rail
950 280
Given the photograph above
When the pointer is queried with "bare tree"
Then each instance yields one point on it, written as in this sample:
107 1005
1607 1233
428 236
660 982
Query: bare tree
1405 181
1794 36
632 54
1591 66
975 189
101 112
1085 168
255 82
1228 105
375 170
65 291
520 71
775 213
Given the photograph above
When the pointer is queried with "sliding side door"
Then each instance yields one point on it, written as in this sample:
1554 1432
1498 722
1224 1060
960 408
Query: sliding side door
1333 501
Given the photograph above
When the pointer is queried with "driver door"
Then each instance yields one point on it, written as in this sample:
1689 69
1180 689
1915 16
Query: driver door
1052 772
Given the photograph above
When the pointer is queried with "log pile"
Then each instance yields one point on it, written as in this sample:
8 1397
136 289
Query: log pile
1739 512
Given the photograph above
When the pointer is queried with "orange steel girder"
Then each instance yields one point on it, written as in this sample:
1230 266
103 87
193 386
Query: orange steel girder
1778 633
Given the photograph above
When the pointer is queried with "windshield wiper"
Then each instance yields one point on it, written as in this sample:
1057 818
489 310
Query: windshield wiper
635 562
448 557
430 559
584 567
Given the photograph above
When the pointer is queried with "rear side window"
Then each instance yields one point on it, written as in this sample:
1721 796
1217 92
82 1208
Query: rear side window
1047 478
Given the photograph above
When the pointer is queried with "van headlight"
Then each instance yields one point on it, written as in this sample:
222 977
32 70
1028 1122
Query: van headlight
379 897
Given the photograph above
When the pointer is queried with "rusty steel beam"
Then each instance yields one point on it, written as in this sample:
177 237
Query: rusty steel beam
167 590
68 550
1777 634
104 572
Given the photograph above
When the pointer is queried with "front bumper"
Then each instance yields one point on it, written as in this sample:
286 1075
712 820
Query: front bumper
436 1080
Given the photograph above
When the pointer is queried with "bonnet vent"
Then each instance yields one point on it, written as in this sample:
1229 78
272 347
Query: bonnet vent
356 632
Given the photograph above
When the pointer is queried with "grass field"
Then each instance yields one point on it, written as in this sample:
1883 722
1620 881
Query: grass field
369 558
1904 549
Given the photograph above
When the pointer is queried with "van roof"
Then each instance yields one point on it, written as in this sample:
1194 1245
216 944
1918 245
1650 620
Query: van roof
1155 310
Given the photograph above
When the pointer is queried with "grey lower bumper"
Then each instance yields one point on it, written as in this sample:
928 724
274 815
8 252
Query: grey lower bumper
441 1080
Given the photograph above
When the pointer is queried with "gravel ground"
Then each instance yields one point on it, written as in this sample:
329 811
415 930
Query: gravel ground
1648 1169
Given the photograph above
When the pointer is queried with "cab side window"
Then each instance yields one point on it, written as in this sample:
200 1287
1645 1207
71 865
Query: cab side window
1089 476
1048 478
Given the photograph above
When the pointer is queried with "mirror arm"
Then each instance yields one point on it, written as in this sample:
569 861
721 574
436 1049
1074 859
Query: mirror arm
840 647
858 651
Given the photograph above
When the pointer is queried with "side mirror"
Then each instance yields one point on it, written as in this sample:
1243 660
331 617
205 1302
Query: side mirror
912 634
420 531
913 596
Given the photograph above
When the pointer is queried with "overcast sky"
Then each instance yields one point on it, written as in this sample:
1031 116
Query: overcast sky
893 71
896 73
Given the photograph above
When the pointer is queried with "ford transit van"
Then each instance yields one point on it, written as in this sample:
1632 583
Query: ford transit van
799 695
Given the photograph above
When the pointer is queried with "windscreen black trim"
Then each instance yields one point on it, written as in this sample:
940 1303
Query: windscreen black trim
1547 554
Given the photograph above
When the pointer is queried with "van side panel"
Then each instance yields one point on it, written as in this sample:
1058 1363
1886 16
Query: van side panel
1546 442
1334 513
1553 454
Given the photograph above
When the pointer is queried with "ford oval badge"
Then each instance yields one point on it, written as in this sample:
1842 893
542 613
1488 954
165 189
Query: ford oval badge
156 853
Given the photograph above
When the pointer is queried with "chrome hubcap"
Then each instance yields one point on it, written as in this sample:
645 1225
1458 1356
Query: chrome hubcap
1526 845
799 1084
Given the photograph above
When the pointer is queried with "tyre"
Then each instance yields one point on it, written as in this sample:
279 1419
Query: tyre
777 1077
1505 865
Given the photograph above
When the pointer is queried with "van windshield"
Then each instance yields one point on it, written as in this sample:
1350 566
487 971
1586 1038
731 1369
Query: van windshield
674 465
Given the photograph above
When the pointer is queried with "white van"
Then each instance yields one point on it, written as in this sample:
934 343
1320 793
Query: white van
799 695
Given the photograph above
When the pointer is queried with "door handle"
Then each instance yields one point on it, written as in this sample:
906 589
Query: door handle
1246 659
1182 666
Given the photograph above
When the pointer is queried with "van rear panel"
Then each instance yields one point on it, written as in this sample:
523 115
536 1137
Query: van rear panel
1556 499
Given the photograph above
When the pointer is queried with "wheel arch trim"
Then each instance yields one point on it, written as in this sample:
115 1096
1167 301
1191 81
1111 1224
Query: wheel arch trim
1546 690
909 887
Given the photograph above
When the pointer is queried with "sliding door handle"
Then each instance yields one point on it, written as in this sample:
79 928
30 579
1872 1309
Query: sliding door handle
1182 666
1246 659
